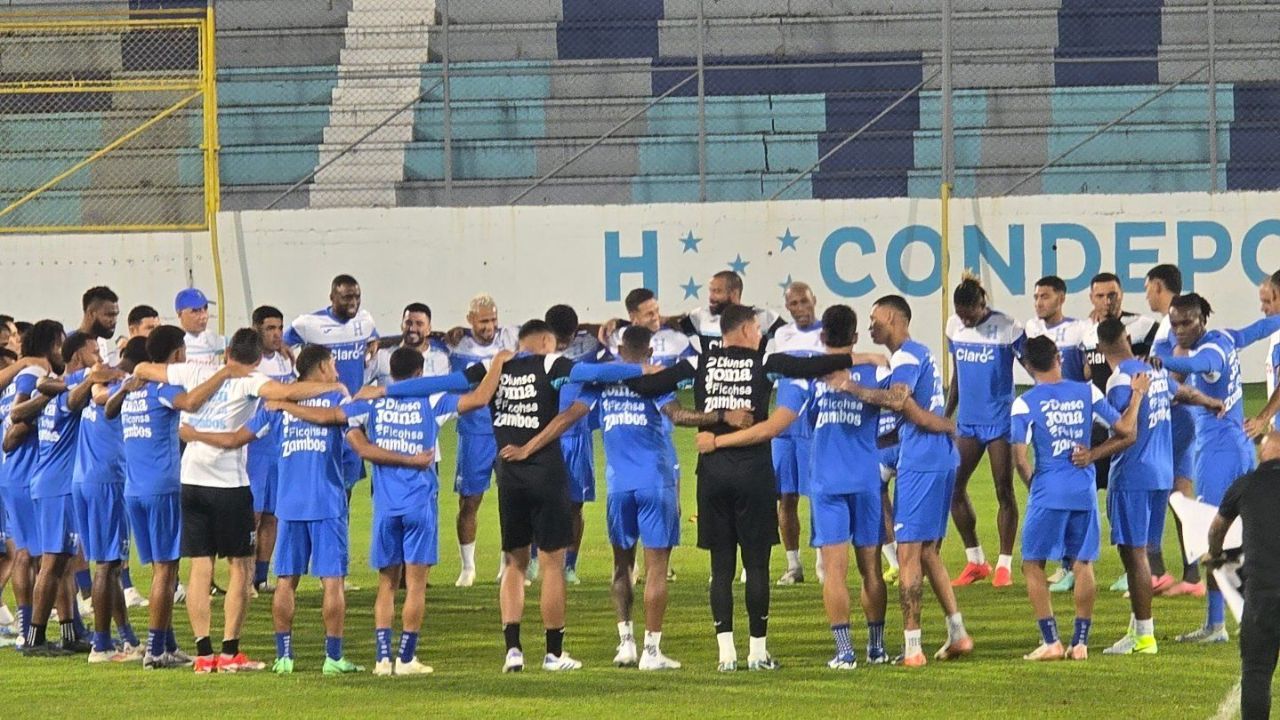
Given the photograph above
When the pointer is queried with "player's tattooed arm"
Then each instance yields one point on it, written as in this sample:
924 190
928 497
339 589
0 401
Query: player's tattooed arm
780 419
367 450
552 432
1022 463
222 440
680 415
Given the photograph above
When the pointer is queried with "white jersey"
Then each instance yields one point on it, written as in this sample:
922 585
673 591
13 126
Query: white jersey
468 352
1069 336
669 346
206 348
435 363
229 408
792 339
108 352
703 327
278 367
1273 367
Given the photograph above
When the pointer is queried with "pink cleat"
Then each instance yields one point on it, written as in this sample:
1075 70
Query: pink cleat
1186 588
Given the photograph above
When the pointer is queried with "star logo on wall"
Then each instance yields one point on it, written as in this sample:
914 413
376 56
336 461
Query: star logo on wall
787 240
739 265
785 283
691 289
690 242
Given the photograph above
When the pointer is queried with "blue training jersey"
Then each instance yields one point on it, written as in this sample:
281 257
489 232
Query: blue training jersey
58 431
791 339
20 462
843 458
312 483
638 451
1053 419
151 449
405 426
263 454
100 450
1148 463
984 357
1213 368
921 451
347 340
1069 336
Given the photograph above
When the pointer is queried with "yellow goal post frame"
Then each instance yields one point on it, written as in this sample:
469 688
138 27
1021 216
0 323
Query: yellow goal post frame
944 229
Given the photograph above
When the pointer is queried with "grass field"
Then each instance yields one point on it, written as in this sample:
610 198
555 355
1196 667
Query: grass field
462 639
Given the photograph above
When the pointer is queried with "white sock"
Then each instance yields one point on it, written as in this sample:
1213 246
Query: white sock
759 649
468 553
624 632
793 559
1005 561
975 555
727 652
1145 628
955 628
652 639
6 615
890 551
912 638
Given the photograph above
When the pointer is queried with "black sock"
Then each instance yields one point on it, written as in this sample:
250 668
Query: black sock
555 641
724 564
231 648
511 631
1156 558
204 646
68 631
36 635
758 600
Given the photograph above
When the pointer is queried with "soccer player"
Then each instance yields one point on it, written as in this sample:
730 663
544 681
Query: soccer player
415 333
984 345
800 337
1055 417
204 346
141 321
737 492
702 325
669 345
344 327
1141 477
149 414
477 450
1066 332
101 312
1223 452
925 478
1265 420
276 364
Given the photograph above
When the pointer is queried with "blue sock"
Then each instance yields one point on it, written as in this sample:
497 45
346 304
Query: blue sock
1217 609
284 644
260 571
1081 634
24 618
533 552
126 580
101 641
84 581
408 645
333 647
571 560
127 634
1049 630
382 644
170 640
155 642
844 644
875 639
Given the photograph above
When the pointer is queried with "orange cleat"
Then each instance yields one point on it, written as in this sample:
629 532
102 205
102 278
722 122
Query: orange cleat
205 664
1160 585
1185 588
238 663
971 574
917 660
1003 578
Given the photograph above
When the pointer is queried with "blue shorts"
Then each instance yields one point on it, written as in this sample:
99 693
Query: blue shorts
318 547
412 538
1137 516
1216 469
56 518
22 519
264 485
888 463
791 464
100 520
651 516
580 461
853 517
156 522
921 504
984 434
1056 534
476 455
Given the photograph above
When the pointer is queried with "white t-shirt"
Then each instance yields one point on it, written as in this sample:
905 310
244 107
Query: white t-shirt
435 363
206 348
229 408
278 367
108 352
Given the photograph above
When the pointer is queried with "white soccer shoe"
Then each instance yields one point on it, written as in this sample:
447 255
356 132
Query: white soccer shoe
106 656
843 662
627 656
763 662
1205 635
563 663
86 606
515 661
384 668
134 599
653 659
792 576
180 594
131 653
413 667
466 579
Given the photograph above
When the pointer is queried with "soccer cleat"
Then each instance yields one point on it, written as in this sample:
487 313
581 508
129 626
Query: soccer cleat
8 641
105 656
843 662
1003 578
532 575
1131 644
1205 636
1078 652
134 599
1121 585
238 663
181 658
915 660
44 650
793 576
1184 588
671 574
466 578
881 658
85 605
514 662
205 664
77 647
348 586
727 666
413 667
1057 575
653 659
264 588
1066 584
743 577
821 574
163 661
1046 653
762 663
130 653
954 650
384 668
180 594
9 631
972 573
571 576
890 576
561 663
626 656
282 666
1160 585
341 666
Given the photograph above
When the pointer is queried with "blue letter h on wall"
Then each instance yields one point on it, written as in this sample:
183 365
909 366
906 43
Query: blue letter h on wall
616 265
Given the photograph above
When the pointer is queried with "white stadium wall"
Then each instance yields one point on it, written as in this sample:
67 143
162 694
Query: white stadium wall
590 256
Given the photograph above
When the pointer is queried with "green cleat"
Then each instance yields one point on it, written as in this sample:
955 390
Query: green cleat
283 666
342 666
1121 585
1066 584
890 576
571 576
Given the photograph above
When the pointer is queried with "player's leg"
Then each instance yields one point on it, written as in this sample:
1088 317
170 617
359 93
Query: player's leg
1042 536
1082 543
867 533
477 454
571 553
515 521
384 614
552 518
755 519
329 562
235 541
888 471
266 542
835 601
164 574
959 643
48 592
283 608
579 457
468 511
1000 454
1137 523
657 519
623 595
1191 583
786 468
105 580
962 512
910 597
415 603
199 608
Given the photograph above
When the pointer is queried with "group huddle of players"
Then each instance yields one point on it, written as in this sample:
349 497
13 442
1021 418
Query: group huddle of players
182 444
